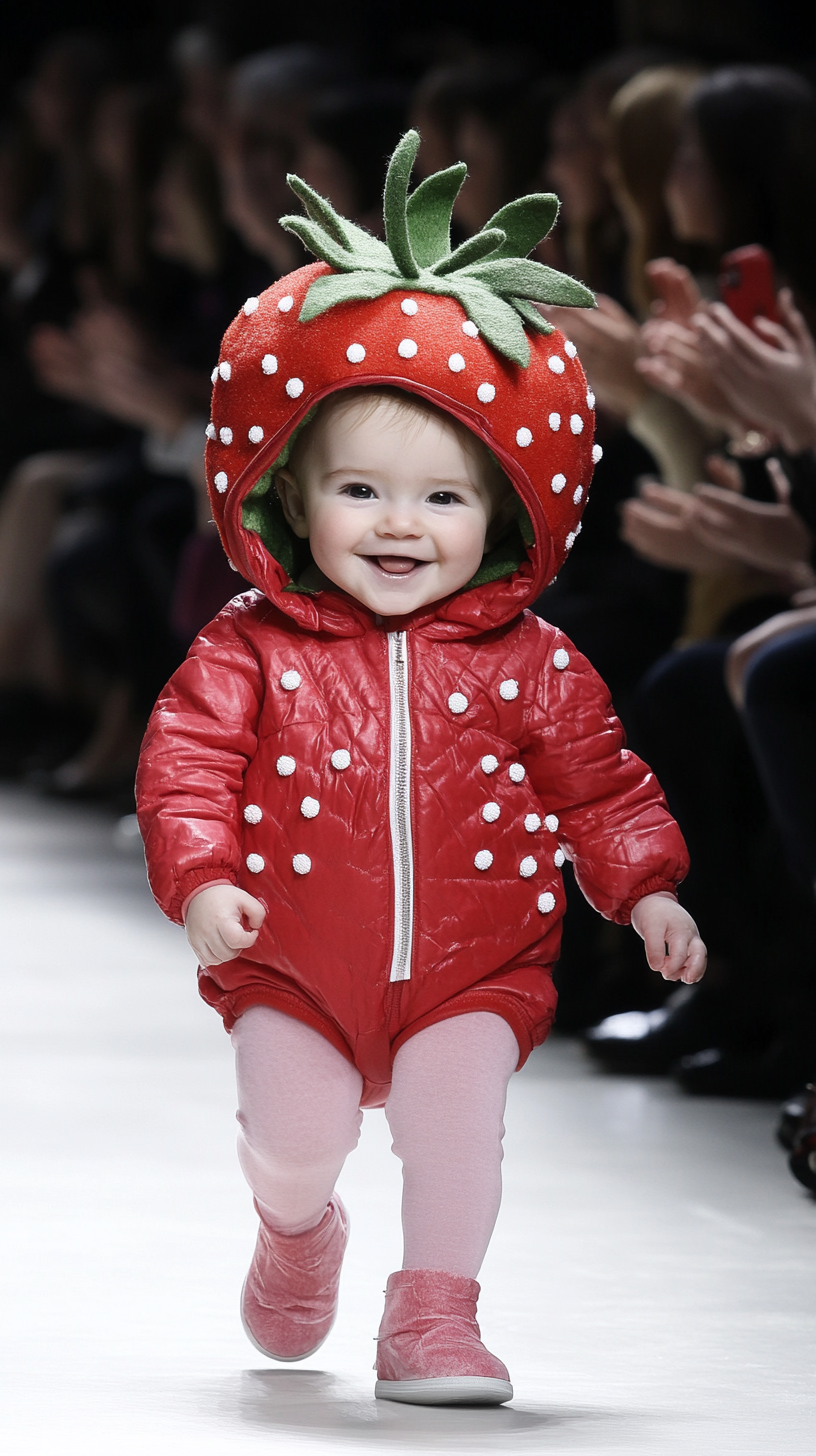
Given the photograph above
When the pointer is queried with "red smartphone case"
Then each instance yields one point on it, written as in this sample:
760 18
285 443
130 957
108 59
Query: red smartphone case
747 284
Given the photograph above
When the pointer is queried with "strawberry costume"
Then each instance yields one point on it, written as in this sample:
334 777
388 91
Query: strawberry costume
400 793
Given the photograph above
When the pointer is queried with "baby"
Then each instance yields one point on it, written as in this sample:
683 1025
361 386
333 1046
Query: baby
359 789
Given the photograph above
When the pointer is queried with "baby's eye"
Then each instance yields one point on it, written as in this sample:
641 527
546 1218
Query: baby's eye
443 498
359 492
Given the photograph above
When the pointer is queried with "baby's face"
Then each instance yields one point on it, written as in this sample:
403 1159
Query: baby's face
396 508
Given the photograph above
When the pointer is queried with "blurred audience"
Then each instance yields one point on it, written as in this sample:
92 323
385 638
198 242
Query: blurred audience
138 211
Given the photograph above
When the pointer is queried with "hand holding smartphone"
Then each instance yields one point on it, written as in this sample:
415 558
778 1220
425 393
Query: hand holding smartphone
747 284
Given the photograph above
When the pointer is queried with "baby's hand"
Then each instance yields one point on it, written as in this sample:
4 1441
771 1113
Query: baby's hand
221 922
672 941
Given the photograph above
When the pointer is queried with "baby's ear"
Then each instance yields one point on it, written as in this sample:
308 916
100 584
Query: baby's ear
291 499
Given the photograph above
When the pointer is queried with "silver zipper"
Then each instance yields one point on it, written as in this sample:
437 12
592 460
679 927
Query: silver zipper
399 807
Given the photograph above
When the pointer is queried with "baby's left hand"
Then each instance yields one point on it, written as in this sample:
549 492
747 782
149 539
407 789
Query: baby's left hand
671 939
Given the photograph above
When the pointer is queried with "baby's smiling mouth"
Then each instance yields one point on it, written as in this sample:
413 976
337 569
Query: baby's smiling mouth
396 565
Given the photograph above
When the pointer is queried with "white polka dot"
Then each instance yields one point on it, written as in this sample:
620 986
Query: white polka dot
221 482
409 306
231 565
310 808
524 437
253 813
255 434
456 363
590 399
483 860
597 454
554 421
490 813
561 658
225 369
301 864
517 772
570 541
341 758
254 863
269 364
509 689
557 484
290 680
551 822
569 348
294 388
486 393
532 822
558 858
469 328
458 703
214 374
210 431
285 765
225 435
489 763
555 364
577 493
250 306
576 424
284 304
406 348
528 867
546 902
355 353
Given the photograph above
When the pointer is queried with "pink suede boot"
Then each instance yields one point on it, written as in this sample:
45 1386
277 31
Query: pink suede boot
429 1350
289 1298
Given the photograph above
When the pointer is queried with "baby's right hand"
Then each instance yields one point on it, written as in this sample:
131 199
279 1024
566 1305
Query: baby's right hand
216 923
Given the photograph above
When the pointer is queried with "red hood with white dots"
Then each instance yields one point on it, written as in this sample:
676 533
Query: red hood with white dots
538 421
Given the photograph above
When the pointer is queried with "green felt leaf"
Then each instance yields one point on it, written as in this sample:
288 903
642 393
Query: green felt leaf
498 323
370 251
320 211
395 204
314 238
334 288
469 252
518 277
525 222
429 211
531 315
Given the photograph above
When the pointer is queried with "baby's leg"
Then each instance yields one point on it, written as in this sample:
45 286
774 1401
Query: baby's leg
299 1115
445 1111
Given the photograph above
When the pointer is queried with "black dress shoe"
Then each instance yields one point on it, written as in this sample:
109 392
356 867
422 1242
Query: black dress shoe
790 1117
802 1161
719 1073
649 1043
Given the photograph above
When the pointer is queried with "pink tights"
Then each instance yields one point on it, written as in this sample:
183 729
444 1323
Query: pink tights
299 1115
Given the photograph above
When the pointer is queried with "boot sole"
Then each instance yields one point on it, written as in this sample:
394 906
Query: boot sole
270 1354
446 1390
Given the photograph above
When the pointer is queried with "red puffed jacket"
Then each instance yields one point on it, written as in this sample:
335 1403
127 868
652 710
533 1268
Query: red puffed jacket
400 794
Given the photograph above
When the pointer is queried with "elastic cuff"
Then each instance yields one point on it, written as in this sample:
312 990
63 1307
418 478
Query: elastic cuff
649 887
193 880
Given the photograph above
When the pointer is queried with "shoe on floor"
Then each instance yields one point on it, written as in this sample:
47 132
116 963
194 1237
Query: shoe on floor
802 1161
770 1074
648 1043
429 1349
791 1114
289 1298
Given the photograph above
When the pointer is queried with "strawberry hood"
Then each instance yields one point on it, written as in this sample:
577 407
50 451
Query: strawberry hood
458 328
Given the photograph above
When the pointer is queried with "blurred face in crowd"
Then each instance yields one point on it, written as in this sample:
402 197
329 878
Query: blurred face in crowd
575 169
329 174
181 228
111 135
478 145
691 192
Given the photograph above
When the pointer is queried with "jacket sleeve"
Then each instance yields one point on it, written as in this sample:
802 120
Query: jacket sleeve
614 823
201 736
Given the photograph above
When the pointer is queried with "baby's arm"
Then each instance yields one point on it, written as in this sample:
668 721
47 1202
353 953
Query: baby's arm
221 921
670 936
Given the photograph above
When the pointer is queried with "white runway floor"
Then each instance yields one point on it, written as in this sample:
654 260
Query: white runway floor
651 1284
